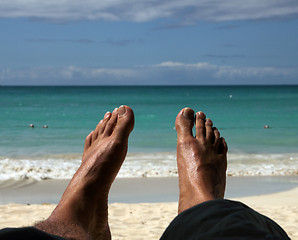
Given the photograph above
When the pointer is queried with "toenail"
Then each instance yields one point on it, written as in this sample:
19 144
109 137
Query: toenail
121 110
107 115
188 113
115 110
208 120
200 115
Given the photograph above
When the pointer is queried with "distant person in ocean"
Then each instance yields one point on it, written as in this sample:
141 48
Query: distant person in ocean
82 212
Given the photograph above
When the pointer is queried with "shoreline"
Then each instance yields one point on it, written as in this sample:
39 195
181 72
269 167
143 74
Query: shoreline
145 164
140 190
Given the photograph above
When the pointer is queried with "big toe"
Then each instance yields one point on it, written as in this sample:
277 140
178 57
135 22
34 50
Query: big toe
184 122
125 122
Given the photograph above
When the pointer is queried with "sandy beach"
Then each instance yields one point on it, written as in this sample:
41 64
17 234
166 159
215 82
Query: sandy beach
145 217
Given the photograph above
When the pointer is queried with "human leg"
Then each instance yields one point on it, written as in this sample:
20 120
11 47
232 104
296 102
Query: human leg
203 213
82 212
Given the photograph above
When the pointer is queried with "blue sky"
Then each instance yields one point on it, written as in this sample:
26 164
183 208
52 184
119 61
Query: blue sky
133 42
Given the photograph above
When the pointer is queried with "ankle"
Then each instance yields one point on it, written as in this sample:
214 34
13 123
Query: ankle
63 229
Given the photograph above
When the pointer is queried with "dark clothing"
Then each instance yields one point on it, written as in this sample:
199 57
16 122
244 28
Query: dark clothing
220 220
212 220
26 233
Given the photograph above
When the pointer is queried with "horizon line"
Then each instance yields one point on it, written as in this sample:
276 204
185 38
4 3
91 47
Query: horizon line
157 85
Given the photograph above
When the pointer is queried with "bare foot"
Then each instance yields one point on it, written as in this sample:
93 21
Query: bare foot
201 160
82 212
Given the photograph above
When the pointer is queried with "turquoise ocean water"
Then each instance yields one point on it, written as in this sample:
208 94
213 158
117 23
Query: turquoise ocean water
240 114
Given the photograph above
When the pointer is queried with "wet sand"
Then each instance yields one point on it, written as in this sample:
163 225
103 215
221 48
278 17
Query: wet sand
139 190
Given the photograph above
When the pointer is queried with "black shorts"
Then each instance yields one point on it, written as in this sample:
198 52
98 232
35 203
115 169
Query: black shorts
26 233
223 219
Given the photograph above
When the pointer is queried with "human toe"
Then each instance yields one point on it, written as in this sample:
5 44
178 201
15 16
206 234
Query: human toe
111 122
217 139
125 121
184 122
223 147
209 131
88 141
200 125
101 126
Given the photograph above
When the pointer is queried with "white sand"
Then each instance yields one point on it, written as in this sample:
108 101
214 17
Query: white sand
148 220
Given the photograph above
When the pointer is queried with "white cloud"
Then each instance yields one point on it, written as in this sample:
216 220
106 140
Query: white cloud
66 76
72 72
146 10
166 73
200 65
256 72
229 71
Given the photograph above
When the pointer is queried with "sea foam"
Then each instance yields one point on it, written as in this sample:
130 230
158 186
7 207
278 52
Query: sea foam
145 165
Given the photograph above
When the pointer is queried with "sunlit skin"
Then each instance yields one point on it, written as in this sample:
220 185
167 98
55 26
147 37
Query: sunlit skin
82 212
201 159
